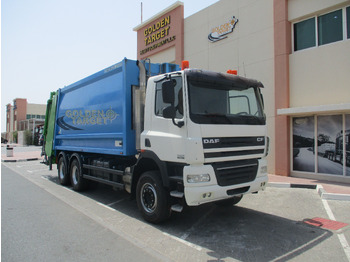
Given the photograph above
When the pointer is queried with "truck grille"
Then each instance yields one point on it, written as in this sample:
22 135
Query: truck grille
233 142
233 153
233 147
235 172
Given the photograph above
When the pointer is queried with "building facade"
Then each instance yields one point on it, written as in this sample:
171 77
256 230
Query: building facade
21 116
299 49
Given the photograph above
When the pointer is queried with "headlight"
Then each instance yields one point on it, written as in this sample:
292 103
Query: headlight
198 178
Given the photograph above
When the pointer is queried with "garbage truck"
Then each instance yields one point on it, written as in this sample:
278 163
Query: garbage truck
171 137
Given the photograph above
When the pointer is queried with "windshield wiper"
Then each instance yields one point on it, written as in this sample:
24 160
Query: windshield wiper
250 118
216 117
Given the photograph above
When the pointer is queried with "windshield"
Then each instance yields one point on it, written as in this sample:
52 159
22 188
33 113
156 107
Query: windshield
217 100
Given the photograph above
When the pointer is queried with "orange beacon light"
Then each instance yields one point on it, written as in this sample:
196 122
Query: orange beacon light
232 72
185 64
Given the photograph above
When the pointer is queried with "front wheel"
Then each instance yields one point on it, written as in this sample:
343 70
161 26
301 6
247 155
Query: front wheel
152 198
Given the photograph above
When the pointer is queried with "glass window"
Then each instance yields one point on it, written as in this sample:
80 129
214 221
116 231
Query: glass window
303 144
330 144
330 27
304 34
348 21
160 105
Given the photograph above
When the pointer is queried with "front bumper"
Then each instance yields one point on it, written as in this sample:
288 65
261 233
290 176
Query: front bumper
205 192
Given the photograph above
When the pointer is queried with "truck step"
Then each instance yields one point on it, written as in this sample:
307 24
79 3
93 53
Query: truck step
177 208
177 194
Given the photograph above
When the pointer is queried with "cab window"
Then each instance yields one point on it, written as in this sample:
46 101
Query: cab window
160 105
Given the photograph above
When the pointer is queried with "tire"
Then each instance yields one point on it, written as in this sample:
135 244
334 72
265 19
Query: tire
77 180
229 202
62 170
152 198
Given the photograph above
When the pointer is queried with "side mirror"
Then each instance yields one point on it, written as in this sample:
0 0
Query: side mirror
169 112
168 91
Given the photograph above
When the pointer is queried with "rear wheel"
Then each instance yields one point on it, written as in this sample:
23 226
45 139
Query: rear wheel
63 176
152 198
78 182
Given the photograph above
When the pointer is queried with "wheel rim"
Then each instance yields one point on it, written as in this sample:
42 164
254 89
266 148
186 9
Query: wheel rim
148 198
75 175
61 171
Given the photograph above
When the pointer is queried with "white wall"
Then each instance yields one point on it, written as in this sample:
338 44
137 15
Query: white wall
319 75
299 9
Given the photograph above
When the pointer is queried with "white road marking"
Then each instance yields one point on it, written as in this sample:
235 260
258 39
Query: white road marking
35 171
344 243
105 206
116 202
199 248
302 247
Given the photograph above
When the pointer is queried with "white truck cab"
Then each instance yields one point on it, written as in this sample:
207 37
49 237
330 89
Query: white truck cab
211 128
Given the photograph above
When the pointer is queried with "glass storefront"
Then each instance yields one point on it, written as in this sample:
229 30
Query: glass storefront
303 144
321 144
328 143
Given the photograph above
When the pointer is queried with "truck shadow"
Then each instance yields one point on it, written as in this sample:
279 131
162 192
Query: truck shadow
248 235
234 232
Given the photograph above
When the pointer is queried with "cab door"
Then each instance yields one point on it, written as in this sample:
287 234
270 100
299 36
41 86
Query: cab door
164 136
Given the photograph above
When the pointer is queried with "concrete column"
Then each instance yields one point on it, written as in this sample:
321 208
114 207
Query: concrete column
282 47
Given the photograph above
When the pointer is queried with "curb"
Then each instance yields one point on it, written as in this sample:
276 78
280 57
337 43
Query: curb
320 190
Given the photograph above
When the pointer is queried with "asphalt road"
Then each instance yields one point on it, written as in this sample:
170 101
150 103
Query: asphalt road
36 226
43 219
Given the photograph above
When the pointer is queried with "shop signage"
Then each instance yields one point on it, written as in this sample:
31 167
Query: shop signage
160 30
220 32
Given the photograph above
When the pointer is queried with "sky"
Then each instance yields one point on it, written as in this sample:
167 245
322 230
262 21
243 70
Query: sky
49 44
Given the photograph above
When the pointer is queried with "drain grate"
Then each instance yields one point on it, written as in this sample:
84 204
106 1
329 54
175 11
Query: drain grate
325 223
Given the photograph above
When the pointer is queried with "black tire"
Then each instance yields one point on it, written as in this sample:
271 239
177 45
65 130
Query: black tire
152 198
229 202
77 180
62 170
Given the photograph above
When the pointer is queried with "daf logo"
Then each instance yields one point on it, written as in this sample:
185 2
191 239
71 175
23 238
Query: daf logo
211 140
